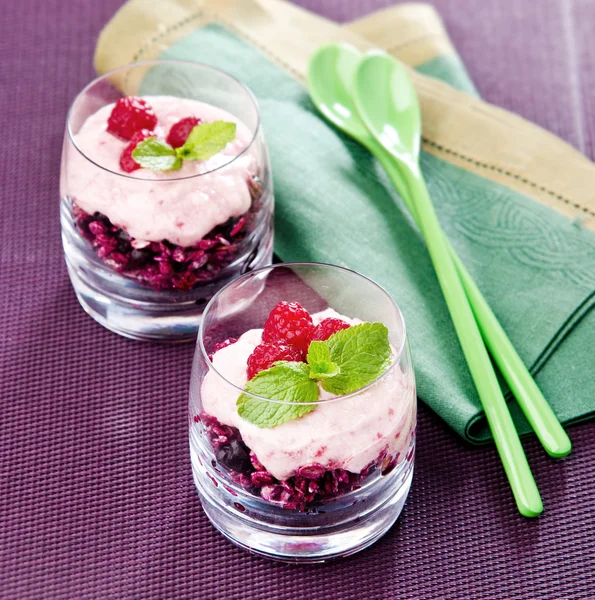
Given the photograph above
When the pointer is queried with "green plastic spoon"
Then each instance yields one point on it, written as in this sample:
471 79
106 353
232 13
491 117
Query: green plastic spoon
387 103
330 77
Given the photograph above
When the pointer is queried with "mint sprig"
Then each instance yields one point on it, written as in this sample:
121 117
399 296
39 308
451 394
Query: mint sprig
156 155
347 361
319 360
362 353
205 140
286 381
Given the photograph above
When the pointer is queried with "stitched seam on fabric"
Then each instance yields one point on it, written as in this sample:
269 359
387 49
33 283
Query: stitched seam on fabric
194 16
156 38
520 178
264 50
171 28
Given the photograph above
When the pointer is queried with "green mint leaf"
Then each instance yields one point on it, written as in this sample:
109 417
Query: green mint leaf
318 352
362 353
206 140
287 381
324 370
156 155
319 359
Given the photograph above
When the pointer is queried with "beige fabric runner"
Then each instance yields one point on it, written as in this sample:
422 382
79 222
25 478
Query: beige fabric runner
458 128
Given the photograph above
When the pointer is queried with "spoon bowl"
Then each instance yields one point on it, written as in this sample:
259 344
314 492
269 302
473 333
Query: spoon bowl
330 74
392 112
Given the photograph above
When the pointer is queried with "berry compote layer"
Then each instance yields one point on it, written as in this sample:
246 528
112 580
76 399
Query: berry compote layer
321 455
166 229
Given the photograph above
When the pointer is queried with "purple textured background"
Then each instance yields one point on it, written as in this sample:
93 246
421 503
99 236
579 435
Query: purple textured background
96 494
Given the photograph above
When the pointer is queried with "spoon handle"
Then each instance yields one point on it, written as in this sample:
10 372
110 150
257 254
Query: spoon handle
536 408
505 435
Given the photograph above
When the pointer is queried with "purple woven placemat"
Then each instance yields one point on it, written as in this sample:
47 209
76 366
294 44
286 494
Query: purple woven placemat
96 494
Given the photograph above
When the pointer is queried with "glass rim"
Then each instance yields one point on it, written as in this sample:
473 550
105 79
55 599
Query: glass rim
156 62
245 276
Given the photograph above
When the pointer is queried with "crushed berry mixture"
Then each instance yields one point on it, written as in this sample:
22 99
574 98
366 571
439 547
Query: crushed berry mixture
163 265
304 491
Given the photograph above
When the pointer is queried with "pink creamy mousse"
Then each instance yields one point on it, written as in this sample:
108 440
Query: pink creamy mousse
347 433
178 206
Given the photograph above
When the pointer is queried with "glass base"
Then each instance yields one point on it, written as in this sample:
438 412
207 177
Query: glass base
308 544
176 320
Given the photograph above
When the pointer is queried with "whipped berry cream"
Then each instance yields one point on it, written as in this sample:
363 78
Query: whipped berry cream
157 205
169 229
334 446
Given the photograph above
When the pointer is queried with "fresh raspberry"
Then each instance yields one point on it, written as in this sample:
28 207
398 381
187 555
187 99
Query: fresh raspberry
221 345
127 163
179 132
130 115
264 355
326 328
291 323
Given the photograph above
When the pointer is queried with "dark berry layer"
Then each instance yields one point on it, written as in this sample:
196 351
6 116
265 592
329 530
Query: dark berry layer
163 265
304 491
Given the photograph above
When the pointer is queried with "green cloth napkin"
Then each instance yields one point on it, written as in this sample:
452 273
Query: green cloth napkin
334 204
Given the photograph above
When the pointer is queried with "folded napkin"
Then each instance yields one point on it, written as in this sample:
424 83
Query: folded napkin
516 202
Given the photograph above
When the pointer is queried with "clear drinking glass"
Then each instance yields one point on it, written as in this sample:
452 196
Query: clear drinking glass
342 472
147 250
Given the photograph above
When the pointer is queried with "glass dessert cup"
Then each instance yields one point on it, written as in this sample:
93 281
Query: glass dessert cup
326 484
147 250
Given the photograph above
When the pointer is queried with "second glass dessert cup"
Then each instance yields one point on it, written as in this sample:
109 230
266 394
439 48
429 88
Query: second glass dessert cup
146 250
326 484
